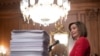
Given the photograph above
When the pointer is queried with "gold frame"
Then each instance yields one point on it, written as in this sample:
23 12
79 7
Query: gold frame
59 29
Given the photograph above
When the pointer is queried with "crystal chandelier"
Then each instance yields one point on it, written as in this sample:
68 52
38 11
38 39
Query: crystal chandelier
44 12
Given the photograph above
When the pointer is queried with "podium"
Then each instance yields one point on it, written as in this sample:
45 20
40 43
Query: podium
29 43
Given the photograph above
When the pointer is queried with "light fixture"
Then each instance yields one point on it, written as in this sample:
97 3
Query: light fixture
44 12
2 51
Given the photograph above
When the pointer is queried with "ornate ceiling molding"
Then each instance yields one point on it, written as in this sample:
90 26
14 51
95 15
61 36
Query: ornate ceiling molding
83 6
8 2
84 1
93 13
9 6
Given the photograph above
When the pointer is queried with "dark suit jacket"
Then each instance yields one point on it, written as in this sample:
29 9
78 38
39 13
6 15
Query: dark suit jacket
81 47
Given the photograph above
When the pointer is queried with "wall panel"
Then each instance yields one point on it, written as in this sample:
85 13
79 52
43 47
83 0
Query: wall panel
99 33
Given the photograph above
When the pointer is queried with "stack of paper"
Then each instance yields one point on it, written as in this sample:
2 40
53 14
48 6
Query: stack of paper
29 43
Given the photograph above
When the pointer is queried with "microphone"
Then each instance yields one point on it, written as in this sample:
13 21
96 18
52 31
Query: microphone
50 47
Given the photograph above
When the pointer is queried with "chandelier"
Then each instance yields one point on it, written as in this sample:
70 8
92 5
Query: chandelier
44 12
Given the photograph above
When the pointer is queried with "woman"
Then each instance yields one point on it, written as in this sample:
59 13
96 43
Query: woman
79 33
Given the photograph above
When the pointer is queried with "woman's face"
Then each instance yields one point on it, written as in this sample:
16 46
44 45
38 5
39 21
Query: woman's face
74 31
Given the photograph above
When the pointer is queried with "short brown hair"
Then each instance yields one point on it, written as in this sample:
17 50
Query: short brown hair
81 27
